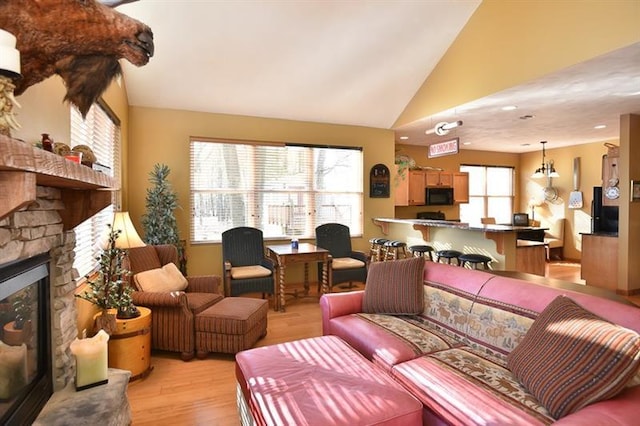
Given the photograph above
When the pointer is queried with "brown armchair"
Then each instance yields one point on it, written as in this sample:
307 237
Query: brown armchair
172 313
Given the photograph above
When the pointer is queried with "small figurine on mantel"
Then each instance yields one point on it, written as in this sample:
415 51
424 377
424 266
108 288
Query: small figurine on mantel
9 70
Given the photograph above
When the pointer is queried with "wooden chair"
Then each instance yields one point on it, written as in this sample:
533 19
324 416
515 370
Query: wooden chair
488 220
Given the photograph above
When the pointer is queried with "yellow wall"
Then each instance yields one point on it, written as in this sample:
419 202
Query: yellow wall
162 136
577 220
506 43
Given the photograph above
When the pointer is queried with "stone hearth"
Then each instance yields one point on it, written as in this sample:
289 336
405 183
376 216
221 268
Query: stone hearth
38 229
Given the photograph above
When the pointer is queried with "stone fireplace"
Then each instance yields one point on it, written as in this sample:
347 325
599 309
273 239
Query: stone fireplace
43 197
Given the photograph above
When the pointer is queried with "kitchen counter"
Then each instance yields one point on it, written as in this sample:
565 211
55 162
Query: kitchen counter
497 241
599 263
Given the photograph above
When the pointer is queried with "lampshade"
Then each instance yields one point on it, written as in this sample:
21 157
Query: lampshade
128 237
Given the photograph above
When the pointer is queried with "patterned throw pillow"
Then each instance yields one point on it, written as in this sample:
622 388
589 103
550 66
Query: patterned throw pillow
394 287
570 357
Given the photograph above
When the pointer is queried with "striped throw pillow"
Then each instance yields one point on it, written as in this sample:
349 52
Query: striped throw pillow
394 287
570 358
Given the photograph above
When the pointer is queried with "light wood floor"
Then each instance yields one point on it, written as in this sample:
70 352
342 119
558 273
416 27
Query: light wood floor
202 392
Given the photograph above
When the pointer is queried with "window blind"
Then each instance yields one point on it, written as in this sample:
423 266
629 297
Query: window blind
285 190
100 131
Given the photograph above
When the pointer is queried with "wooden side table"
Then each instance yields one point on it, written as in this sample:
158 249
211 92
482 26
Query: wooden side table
284 255
130 345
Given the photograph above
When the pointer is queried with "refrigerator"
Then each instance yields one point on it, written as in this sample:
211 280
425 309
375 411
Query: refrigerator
604 219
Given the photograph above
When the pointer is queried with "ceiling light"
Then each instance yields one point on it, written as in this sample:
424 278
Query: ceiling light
443 128
404 138
509 108
466 143
546 169
600 126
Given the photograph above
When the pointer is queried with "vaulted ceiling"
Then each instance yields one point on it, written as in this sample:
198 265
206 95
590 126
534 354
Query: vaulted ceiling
360 63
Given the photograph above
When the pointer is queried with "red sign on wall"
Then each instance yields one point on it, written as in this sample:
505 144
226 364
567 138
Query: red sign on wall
444 148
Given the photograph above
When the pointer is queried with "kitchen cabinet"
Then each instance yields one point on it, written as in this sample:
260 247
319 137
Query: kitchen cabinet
460 187
599 263
409 190
435 178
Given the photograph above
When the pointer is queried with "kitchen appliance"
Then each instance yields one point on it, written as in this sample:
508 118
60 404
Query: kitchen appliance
604 219
520 219
439 196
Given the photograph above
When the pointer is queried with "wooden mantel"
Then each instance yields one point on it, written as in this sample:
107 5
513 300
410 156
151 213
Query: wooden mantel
23 166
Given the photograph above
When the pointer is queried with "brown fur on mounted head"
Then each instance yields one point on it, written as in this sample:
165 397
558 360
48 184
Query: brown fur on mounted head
80 40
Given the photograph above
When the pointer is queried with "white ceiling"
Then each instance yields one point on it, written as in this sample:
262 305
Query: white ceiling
359 63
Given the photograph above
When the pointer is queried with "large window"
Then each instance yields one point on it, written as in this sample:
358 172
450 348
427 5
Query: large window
283 189
100 131
490 194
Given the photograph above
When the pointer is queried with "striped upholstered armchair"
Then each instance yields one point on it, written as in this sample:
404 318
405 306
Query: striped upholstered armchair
172 311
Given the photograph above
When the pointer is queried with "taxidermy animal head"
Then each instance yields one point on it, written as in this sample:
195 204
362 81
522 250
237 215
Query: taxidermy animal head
80 40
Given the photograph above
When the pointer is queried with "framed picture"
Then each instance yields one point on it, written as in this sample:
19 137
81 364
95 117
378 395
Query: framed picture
635 190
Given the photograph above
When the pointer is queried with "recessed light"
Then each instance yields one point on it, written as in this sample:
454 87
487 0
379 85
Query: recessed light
600 126
509 108
466 143
525 144
404 138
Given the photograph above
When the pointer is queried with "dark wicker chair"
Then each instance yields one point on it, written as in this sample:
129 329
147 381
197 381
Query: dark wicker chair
172 313
247 270
347 265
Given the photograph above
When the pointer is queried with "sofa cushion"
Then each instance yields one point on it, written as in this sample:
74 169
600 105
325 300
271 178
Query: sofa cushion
394 287
161 280
571 358
464 386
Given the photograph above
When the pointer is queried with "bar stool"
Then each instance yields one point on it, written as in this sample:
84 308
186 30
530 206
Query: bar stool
376 250
474 259
394 249
421 251
448 255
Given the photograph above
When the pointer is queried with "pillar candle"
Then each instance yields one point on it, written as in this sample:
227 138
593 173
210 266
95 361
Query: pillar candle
13 369
91 360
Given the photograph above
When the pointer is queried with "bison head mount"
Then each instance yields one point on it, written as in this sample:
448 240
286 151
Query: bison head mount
80 40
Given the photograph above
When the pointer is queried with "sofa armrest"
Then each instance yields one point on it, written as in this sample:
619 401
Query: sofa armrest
339 304
150 300
623 409
203 284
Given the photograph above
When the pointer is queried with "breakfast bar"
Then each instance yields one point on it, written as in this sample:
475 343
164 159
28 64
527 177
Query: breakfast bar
500 242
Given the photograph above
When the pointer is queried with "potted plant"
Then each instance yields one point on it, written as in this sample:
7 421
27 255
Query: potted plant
160 225
110 290
18 331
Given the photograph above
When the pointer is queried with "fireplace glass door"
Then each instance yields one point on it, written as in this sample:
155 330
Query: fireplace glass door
25 356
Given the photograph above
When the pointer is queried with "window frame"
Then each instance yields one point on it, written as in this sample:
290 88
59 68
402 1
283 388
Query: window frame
486 194
257 191
90 232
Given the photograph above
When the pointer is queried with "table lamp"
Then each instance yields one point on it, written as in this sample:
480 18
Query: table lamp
128 238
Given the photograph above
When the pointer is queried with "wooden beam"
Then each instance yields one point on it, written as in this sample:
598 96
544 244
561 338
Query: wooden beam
17 190
80 205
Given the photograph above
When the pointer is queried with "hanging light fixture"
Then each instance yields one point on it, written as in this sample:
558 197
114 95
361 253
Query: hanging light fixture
546 169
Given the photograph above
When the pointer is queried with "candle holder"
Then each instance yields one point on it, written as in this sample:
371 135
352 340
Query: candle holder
92 366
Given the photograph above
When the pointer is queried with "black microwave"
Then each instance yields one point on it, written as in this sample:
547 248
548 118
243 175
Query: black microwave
439 196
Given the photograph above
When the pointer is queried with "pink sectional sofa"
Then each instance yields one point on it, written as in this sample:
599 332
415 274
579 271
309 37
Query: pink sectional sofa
453 357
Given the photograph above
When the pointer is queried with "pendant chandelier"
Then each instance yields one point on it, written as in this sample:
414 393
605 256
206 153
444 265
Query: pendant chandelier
546 169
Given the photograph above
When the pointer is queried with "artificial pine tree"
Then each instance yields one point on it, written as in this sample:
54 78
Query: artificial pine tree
110 290
160 226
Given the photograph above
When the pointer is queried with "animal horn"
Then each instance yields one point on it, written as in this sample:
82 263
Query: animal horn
115 3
